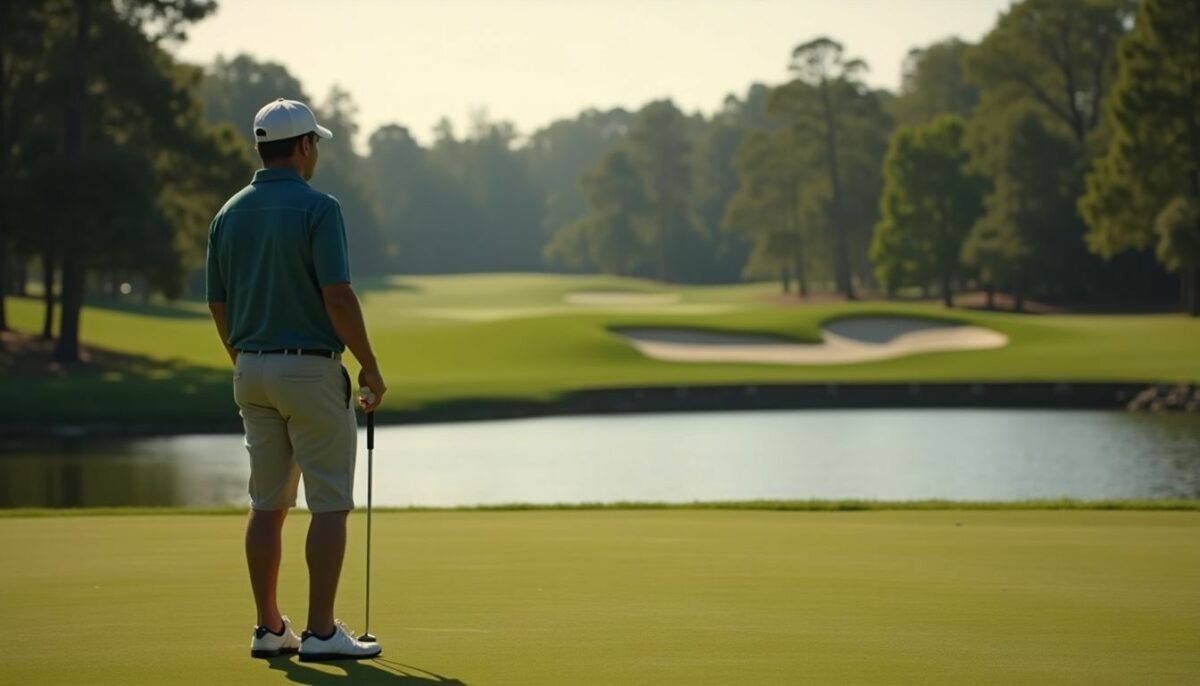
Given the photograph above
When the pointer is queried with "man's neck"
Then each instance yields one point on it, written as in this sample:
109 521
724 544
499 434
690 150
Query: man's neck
286 164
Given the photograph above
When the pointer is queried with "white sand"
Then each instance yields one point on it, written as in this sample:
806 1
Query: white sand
619 298
846 341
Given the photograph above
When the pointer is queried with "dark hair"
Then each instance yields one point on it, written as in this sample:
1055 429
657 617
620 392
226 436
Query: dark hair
270 151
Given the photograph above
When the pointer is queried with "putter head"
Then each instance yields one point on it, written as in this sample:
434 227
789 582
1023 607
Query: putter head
368 638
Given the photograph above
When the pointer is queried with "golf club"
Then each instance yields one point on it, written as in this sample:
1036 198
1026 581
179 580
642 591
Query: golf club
369 397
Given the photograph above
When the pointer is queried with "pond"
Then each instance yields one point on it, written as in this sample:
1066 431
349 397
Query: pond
965 454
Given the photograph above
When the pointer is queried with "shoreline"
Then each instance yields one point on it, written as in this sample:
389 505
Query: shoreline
833 505
664 399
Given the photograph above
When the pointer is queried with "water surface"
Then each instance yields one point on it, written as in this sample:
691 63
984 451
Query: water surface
889 454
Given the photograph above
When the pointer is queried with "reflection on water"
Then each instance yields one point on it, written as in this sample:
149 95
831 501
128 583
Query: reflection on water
874 454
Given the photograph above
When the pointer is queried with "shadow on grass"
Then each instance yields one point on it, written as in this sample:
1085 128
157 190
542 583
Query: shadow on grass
377 671
106 386
154 309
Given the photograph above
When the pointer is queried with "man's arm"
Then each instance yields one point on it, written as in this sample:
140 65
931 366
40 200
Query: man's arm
345 314
218 315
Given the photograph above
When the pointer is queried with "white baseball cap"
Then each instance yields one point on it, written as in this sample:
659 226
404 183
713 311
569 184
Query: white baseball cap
286 119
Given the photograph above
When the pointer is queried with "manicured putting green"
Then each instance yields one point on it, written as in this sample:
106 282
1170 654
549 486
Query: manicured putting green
493 337
625 597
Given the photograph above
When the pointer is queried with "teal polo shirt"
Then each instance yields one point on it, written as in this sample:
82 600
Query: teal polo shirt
270 250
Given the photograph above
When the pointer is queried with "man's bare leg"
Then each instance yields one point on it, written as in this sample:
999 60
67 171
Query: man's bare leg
264 548
324 551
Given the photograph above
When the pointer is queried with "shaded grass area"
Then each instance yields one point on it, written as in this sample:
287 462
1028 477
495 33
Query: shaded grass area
845 505
617 597
456 340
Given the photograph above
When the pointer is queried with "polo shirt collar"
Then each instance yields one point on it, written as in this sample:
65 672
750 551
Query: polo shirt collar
276 174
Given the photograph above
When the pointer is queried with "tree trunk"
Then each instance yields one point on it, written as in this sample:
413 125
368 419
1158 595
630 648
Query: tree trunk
990 290
73 276
48 268
1191 287
4 279
801 277
841 252
947 291
21 278
67 349
4 229
784 279
1018 291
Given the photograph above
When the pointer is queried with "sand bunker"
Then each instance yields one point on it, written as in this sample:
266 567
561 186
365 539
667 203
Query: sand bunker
619 298
846 341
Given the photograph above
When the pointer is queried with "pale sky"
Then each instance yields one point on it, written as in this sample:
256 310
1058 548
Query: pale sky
533 61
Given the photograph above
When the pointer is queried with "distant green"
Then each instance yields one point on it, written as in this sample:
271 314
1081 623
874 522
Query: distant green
623 597
495 336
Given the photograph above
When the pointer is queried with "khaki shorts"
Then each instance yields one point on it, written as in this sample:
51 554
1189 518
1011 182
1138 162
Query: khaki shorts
299 419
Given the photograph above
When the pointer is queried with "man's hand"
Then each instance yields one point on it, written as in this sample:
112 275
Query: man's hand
373 380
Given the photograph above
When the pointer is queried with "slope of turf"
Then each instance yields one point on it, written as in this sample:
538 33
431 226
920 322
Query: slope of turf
446 339
619 597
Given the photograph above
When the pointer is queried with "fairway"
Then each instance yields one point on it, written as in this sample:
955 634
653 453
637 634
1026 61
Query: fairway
493 337
627 596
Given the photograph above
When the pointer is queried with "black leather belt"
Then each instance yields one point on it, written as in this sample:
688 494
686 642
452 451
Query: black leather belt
295 351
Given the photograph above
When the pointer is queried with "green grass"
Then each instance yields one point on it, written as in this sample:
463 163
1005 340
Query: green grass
454 338
631 596
844 505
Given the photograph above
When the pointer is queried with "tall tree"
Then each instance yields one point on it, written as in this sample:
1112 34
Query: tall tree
614 235
660 150
930 201
933 82
770 210
821 64
113 44
1060 54
1030 231
719 255
1044 71
1146 188
561 152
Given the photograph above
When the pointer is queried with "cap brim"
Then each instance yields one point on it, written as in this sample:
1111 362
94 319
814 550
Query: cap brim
323 132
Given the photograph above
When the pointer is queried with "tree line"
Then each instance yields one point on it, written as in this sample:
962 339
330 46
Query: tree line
1056 159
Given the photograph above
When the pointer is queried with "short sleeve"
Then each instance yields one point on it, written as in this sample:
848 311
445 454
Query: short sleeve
330 253
214 285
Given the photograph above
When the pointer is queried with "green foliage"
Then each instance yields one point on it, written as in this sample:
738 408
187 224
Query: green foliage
137 199
776 207
839 130
1147 185
1178 229
660 150
615 235
561 153
1030 233
934 82
1059 54
1044 72
930 201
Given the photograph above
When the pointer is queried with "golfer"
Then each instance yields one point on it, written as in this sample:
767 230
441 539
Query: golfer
279 291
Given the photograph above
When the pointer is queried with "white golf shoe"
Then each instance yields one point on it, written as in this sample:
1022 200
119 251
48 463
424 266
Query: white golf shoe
269 644
341 645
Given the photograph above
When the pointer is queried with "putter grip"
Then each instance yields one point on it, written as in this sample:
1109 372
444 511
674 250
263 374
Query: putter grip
370 431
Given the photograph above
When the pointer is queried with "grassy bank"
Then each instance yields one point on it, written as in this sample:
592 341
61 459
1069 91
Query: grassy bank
604 597
450 339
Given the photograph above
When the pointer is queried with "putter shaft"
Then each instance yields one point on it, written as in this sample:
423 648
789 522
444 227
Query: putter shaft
370 489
